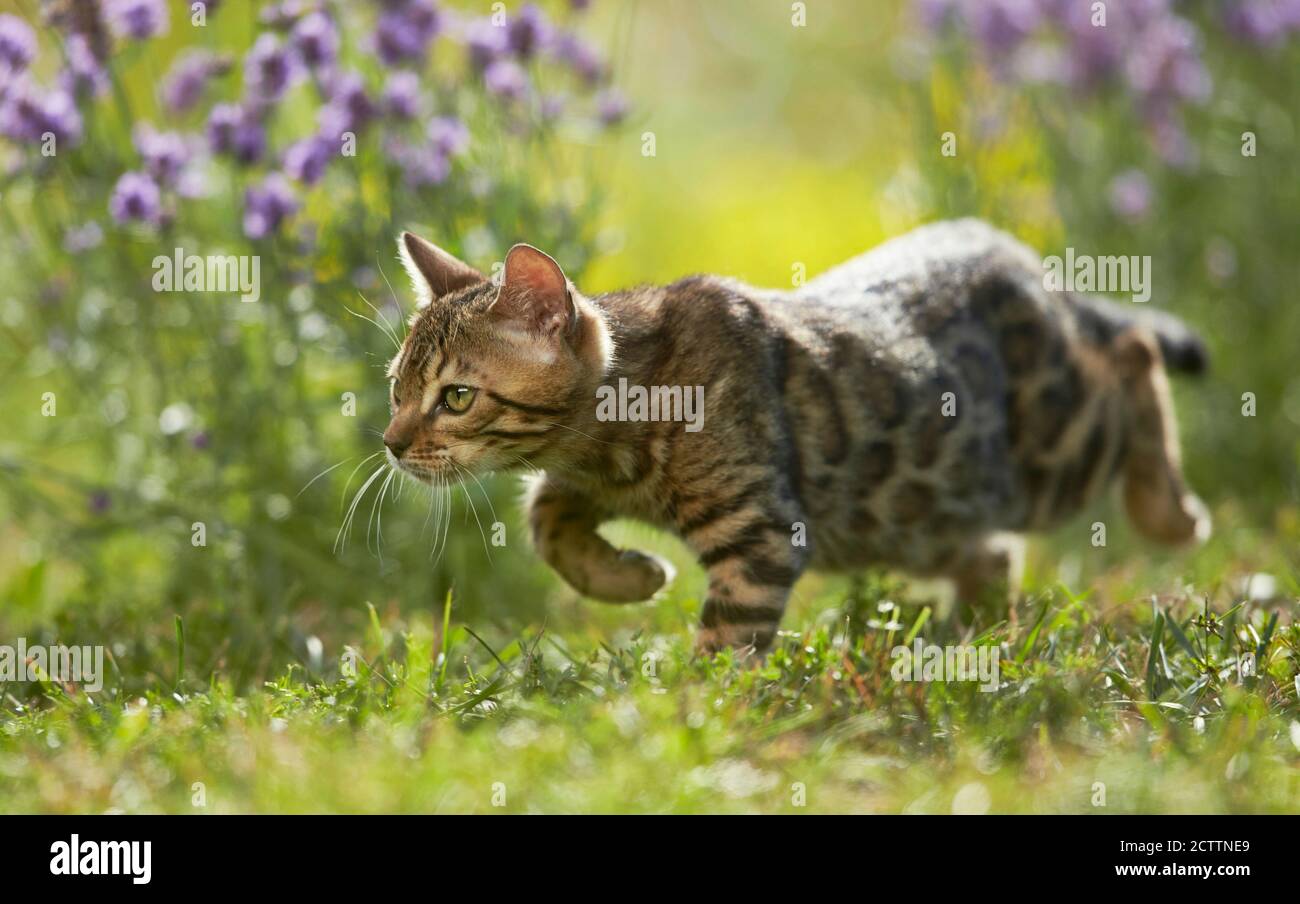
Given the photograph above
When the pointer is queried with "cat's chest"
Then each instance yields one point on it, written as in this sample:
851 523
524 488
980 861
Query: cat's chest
629 483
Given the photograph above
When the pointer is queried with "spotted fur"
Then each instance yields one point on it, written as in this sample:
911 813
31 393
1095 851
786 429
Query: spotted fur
917 407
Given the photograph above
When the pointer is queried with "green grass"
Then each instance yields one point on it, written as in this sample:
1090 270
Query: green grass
604 709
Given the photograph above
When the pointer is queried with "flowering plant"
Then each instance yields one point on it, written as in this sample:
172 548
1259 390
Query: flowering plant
381 88
296 139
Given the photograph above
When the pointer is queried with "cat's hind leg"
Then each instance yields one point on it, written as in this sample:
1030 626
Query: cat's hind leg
1156 494
563 525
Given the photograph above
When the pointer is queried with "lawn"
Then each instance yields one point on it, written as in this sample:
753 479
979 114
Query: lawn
1119 701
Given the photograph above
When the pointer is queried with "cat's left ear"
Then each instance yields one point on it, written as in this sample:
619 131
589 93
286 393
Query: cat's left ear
534 293
434 272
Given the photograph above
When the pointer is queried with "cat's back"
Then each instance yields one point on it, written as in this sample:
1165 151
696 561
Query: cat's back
950 253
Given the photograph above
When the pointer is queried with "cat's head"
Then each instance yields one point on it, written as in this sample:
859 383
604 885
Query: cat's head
488 371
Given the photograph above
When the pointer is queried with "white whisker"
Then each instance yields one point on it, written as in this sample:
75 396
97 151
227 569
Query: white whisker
340 541
348 484
378 507
386 333
392 333
322 474
486 497
474 508
446 522
379 265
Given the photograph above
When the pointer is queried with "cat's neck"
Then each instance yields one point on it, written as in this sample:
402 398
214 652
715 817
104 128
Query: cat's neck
592 445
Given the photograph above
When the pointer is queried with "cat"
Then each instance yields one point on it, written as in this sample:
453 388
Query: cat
919 407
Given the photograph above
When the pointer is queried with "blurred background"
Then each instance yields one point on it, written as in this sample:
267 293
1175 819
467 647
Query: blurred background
635 142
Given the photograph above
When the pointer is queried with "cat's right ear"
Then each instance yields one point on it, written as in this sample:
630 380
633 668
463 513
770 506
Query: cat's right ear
434 272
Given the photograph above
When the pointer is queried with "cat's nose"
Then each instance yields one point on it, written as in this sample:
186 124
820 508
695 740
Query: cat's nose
396 442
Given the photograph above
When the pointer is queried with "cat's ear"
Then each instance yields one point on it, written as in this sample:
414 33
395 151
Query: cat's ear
534 293
434 272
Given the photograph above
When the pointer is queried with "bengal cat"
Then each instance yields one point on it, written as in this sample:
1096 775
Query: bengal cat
917 407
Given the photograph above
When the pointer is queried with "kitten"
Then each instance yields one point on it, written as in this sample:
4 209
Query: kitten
917 407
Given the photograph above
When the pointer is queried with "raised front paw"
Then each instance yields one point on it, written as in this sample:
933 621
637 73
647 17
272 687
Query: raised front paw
630 577
613 576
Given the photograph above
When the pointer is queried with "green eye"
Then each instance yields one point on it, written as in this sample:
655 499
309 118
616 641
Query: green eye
458 398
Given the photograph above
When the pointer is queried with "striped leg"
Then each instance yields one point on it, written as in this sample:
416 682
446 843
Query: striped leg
752 564
564 526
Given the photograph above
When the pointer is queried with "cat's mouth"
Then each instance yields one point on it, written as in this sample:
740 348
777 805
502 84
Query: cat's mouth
434 473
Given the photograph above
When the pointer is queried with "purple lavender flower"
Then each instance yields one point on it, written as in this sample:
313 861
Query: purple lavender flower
526 31
404 30
935 15
138 19
552 107
448 136
1130 195
269 69
580 57
1094 53
17 111
1002 25
611 107
349 109
421 165
83 238
485 42
402 95
17 43
233 130
200 440
61 116
27 116
164 153
305 161
316 39
136 199
1264 23
84 75
188 78
267 204
1171 142
506 79
1168 68
99 502
222 122
1153 53
282 15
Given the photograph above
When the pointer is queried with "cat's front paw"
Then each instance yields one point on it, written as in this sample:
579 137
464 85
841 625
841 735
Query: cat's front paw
633 576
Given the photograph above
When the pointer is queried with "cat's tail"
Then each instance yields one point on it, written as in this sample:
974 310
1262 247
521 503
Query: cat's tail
1182 349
